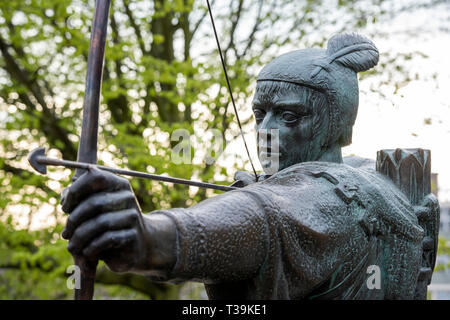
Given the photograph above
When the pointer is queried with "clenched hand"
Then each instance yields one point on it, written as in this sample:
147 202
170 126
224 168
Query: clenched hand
106 223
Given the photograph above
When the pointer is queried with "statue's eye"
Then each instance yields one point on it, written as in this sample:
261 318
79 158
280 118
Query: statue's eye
259 114
289 117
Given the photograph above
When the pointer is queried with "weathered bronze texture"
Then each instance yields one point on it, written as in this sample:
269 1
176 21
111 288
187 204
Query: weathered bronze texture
410 170
87 150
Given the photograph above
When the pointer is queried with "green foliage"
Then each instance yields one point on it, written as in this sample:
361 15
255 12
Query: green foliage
162 73
32 264
444 250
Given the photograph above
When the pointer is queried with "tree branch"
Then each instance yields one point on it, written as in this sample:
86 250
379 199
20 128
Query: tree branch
137 30
251 37
49 119
235 17
25 174
200 20
139 283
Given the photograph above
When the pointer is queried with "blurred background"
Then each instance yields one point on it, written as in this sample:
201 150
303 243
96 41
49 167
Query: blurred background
162 73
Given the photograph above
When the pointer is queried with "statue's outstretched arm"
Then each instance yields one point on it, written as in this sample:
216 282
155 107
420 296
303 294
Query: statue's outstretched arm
224 235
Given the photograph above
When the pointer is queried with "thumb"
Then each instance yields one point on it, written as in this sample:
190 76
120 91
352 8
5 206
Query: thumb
246 177
64 196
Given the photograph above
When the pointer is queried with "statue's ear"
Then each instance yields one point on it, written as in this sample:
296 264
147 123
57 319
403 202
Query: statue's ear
353 51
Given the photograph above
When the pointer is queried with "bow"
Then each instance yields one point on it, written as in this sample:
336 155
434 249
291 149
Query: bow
87 151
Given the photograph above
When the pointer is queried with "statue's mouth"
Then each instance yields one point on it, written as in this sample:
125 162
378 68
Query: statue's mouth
266 151
269 160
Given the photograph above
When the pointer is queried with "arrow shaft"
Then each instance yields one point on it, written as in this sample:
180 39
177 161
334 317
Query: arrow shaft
85 166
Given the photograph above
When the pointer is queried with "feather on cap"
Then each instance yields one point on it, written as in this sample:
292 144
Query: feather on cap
352 51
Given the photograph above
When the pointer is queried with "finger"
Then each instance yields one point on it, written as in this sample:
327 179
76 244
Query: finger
109 240
93 228
95 205
92 181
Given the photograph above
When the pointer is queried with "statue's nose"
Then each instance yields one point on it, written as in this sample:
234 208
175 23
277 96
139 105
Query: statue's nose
267 131
267 123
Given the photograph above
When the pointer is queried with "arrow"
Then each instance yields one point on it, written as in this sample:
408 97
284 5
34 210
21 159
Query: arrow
39 161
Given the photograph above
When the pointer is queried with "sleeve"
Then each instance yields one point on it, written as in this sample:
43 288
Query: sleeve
224 238
276 232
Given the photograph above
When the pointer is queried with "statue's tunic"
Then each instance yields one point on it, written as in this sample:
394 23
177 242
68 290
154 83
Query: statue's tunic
309 231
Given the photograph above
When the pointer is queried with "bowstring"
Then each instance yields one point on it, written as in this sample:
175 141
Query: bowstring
229 88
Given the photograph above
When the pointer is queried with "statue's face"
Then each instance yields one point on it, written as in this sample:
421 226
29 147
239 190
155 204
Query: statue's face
297 115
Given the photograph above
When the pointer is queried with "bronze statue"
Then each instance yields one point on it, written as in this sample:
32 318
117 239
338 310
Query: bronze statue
309 229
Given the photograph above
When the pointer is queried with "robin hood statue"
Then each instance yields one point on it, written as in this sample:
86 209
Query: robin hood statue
314 226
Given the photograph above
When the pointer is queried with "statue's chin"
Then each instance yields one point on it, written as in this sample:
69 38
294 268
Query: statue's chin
272 167
272 163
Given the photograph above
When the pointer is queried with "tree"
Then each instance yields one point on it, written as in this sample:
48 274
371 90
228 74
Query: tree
162 73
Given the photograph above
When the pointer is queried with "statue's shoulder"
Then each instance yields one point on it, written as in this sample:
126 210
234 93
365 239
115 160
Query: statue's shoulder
244 178
354 173
359 162
359 186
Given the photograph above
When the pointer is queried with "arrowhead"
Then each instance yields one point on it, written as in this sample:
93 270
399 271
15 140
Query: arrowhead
33 157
